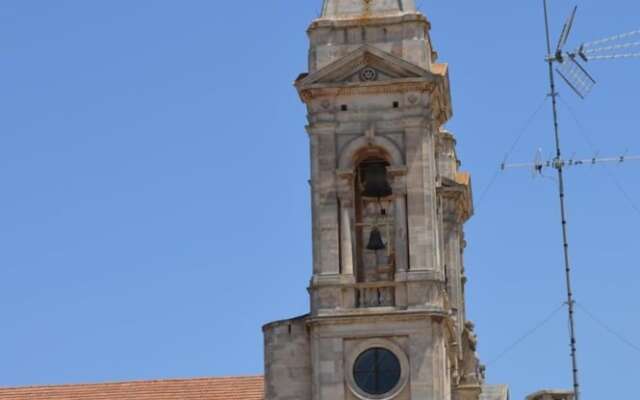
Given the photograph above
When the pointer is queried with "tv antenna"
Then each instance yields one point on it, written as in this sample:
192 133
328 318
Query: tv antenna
570 67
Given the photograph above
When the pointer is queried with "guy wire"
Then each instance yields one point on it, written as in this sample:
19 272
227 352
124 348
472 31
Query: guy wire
510 151
526 335
585 135
607 328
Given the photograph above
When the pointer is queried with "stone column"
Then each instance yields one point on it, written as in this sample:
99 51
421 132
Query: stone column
347 235
421 196
463 278
400 222
325 199
313 179
455 273
345 194
346 245
401 237
452 260
455 213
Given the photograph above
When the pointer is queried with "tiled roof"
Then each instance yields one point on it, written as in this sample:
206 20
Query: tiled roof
232 388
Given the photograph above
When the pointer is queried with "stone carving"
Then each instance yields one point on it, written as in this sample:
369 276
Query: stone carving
472 370
368 75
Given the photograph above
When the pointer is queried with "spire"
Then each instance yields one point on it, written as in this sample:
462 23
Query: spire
358 8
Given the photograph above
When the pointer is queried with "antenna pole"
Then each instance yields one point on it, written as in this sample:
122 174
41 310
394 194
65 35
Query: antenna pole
559 166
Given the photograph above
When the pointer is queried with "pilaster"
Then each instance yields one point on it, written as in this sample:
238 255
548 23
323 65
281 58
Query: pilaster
325 199
421 196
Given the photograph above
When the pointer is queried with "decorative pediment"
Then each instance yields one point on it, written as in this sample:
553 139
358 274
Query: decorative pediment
371 71
366 65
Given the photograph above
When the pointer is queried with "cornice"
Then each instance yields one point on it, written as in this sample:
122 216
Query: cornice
367 20
385 313
347 89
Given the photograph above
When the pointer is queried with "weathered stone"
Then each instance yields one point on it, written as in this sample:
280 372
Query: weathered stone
552 394
388 207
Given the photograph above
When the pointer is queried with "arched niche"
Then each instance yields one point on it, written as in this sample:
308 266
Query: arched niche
351 154
374 215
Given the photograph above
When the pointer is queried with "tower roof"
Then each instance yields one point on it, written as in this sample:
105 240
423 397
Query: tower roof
360 8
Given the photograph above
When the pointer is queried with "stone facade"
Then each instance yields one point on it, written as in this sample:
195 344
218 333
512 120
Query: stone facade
388 318
377 99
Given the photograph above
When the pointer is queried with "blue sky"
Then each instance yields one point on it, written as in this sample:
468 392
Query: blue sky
155 211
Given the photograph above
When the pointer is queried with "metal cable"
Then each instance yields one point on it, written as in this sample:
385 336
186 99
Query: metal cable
510 151
527 335
607 328
583 133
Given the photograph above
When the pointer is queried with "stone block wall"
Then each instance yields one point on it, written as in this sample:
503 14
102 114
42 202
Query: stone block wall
405 37
287 360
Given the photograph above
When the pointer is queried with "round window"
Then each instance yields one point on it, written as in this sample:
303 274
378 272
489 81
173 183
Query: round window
377 371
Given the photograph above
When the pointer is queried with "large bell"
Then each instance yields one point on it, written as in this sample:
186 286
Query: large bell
375 240
375 181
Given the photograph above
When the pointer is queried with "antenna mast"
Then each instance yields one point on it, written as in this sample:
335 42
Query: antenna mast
581 82
559 166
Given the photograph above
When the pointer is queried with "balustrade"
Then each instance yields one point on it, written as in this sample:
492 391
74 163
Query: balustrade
375 294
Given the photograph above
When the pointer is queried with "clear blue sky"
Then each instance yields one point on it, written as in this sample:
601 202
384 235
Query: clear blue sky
155 212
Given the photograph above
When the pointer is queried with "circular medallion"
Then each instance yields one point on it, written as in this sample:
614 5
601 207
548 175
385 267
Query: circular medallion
368 75
377 371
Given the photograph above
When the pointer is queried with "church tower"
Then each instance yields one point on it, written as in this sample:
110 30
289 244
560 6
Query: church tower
387 318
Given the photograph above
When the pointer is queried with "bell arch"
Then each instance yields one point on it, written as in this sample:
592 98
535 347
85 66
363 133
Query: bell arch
373 206
351 153
369 208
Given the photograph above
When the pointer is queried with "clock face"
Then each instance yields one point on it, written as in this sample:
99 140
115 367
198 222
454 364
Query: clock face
377 371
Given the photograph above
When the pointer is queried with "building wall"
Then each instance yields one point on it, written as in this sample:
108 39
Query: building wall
287 360
407 301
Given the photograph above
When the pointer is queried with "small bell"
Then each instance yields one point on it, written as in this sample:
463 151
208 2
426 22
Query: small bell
375 240
375 181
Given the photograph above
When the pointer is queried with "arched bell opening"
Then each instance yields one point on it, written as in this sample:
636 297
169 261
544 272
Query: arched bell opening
374 217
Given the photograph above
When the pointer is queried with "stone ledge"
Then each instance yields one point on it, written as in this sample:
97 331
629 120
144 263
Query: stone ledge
359 20
388 313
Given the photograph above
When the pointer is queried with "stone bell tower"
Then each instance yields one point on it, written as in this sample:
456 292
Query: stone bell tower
387 318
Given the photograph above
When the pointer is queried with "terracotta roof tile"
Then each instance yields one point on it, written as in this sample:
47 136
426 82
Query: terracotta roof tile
232 388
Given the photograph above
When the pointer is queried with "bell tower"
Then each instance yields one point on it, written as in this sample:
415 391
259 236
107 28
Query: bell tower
387 318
